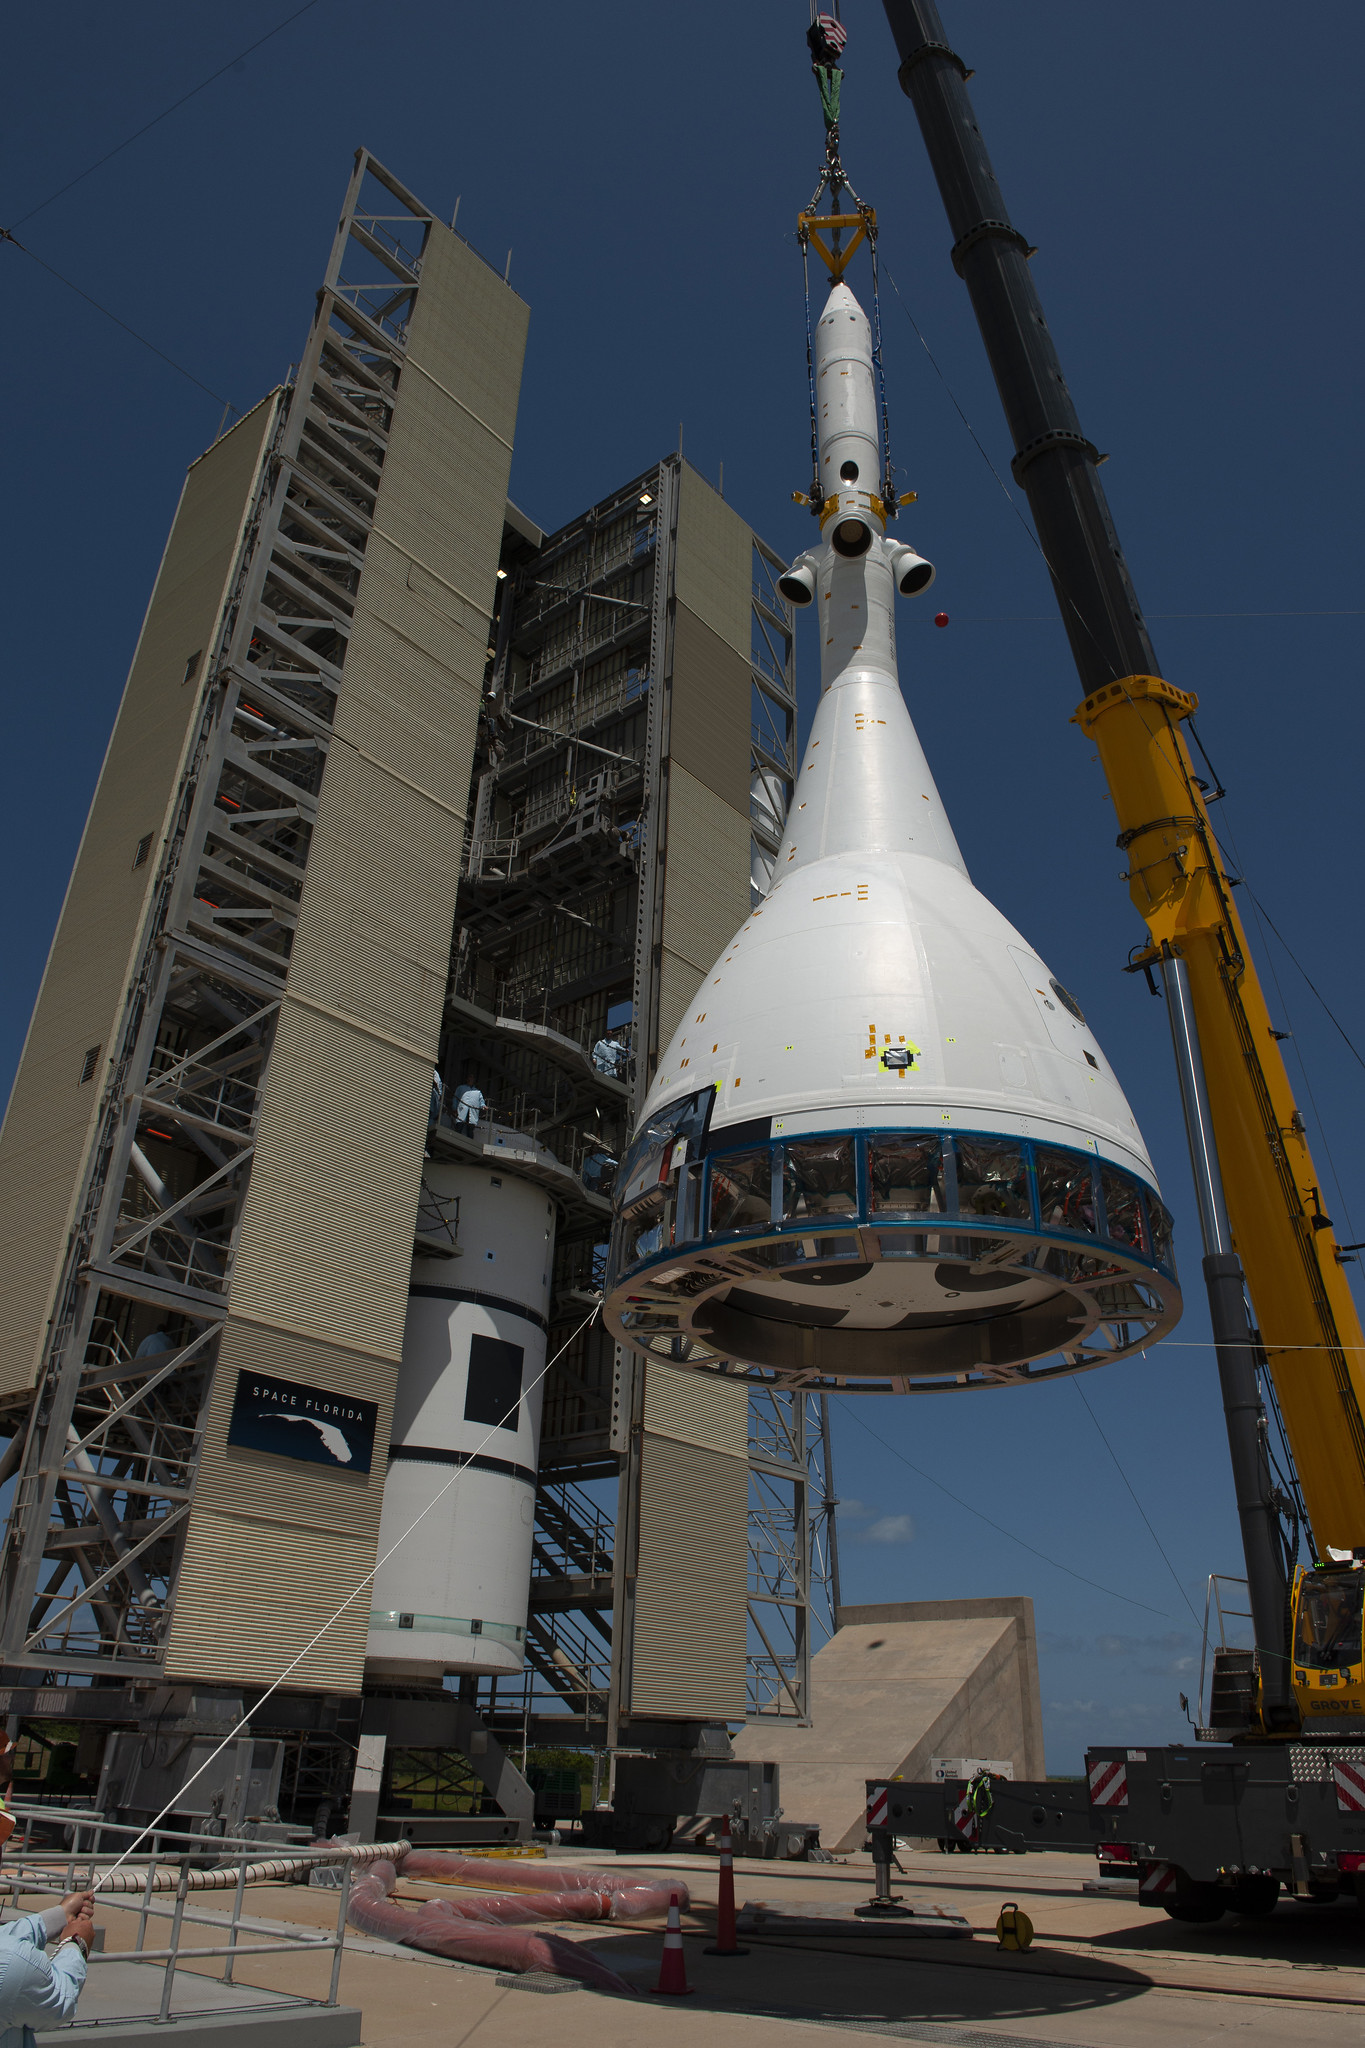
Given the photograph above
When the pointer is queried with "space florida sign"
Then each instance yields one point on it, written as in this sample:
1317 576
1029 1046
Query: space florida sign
312 1425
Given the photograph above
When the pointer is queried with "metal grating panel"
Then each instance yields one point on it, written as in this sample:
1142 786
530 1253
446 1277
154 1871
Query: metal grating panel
297 1588
326 1237
709 730
249 1504
1311 1764
374 925
690 1613
693 1409
706 887
713 575
51 1116
253 1483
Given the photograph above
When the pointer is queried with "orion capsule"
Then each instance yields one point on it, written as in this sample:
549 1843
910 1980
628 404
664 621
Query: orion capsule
884 1149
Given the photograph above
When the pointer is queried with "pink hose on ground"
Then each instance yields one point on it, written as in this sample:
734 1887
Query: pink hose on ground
495 1927
630 1895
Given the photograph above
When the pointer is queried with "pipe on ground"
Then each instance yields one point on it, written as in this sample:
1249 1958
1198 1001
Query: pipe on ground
495 1928
222 1878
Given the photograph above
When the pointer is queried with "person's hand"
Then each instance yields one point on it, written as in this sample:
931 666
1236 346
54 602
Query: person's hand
79 1908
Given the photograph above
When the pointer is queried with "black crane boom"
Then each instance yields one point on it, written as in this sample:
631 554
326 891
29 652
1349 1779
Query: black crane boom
1054 462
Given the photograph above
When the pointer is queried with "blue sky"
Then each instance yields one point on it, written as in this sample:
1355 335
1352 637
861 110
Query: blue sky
1191 184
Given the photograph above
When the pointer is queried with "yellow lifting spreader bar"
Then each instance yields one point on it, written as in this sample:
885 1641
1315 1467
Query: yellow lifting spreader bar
808 226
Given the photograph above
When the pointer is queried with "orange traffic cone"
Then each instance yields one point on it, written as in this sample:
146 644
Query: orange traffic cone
725 1943
672 1969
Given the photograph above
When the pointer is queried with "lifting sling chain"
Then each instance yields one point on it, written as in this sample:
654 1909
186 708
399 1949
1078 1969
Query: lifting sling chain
826 38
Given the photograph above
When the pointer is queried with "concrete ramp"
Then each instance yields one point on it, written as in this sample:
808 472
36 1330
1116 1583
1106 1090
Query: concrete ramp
897 1685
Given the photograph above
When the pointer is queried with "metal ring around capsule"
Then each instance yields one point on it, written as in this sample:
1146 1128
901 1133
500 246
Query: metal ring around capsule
675 1303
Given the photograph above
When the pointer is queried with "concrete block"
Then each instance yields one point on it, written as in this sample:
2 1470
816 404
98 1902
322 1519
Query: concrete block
897 1686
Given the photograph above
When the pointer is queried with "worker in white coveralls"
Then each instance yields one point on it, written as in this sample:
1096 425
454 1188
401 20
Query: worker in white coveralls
469 1102
36 1991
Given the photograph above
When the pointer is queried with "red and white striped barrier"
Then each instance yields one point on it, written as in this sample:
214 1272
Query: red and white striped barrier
1156 1880
1349 1780
965 1822
1108 1781
878 1806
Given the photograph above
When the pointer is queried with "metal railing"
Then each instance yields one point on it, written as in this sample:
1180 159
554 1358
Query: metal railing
519 1117
596 702
1218 1605
626 546
170 1874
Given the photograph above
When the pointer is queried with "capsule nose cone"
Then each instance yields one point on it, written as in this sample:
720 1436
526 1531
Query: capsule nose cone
841 300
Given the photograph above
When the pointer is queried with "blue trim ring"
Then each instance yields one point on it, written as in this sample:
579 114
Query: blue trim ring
689 1199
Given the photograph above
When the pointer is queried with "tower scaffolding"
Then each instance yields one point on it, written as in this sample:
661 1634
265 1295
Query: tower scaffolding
106 1450
559 935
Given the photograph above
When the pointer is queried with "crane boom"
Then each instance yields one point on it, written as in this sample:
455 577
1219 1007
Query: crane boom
1180 886
1308 1322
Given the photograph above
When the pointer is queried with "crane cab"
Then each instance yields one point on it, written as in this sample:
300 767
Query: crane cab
1328 1620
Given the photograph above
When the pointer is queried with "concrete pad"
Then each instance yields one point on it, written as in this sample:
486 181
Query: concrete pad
1102 1973
896 1686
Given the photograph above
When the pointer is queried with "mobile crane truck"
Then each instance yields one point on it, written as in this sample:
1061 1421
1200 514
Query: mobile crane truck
1272 1791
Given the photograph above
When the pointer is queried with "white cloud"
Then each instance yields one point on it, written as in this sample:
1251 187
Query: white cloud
854 1511
889 1529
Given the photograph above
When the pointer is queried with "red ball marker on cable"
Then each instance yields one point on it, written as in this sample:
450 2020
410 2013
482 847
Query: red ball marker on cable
940 618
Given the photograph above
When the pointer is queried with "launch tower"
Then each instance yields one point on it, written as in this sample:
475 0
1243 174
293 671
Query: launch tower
403 794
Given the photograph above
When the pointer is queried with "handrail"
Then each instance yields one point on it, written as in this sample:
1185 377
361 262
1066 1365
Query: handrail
30 1875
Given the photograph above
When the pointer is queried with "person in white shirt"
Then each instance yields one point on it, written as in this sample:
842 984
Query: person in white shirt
609 1057
469 1102
36 1991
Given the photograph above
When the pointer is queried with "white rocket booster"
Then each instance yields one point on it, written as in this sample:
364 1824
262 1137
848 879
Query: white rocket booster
884 1148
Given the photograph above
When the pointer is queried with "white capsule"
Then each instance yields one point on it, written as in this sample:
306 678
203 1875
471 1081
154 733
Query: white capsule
884 1146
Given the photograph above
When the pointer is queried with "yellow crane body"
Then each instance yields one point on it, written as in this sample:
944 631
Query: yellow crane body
1302 1302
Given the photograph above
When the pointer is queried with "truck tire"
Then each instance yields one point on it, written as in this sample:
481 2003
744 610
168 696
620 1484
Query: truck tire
1198 1904
1254 1897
